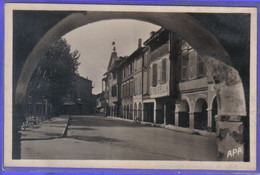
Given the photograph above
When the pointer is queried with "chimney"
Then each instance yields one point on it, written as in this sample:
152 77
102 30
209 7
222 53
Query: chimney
152 33
139 43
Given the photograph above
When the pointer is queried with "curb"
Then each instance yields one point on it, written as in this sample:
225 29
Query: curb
66 128
170 127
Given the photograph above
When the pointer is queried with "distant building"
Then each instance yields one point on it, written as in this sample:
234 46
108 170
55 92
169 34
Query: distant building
164 82
101 103
80 100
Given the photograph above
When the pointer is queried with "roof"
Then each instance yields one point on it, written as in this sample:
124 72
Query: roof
112 62
154 35
133 55
85 79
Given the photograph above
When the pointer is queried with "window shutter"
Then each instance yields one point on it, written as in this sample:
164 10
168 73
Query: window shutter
154 75
163 78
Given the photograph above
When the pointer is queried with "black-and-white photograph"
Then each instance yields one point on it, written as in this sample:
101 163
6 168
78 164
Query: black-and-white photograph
130 86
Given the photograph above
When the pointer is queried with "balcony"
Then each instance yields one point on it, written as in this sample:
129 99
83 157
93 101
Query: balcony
160 51
201 83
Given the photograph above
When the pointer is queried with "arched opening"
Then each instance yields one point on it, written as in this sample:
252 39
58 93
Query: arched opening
131 112
135 111
184 114
213 53
140 111
207 45
200 114
124 113
127 112
214 113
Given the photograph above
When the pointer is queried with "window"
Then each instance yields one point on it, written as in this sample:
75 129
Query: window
163 78
122 92
146 59
127 89
126 71
114 75
200 68
110 76
132 67
154 82
114 91
123 87
123 73
184 68
145 83
131 88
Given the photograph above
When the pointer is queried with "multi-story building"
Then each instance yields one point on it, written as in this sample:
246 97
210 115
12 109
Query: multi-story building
80 100
164 82
100 103
197 104
160 103
112 79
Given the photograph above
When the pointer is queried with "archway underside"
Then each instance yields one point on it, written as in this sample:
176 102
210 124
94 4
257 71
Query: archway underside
228 84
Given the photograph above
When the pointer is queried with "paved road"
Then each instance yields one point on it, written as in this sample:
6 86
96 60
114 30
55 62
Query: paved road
96 137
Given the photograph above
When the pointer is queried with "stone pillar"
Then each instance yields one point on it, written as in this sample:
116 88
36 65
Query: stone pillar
154 113
230 138
142 114
46 108
209 112
177 108
164 114
191 120
176 118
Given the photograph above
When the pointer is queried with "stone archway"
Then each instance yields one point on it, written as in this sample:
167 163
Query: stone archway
214 111
184 110
227 82
227 79
139 111
200 114
135 111
131 112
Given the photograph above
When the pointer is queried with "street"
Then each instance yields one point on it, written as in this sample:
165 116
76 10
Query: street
100 138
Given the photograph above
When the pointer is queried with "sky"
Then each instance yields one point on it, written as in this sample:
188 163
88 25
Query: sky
94 43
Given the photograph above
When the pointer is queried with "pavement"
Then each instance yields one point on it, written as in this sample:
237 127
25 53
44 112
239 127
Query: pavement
48 129
102 138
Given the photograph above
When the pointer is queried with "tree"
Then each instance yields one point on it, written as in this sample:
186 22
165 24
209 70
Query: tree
55 75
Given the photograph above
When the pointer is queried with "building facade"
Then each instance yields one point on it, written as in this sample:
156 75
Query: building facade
80 100
163 82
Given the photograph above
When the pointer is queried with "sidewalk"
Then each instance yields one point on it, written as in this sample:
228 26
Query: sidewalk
171 127
49 129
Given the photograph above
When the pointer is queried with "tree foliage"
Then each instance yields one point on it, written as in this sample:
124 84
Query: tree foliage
55 75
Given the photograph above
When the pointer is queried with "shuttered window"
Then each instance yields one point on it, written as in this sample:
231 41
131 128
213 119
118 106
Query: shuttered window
114 91
184 69
154 82
200 68
163 77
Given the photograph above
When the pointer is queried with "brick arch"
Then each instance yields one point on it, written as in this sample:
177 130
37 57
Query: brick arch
228 84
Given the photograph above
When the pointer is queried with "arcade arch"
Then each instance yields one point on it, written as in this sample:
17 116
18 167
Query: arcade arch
184 110
213 53
200 114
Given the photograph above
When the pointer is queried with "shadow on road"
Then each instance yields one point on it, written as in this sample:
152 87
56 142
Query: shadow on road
101 122
93 138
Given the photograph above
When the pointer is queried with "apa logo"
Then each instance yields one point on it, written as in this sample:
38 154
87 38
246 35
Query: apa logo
234 152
